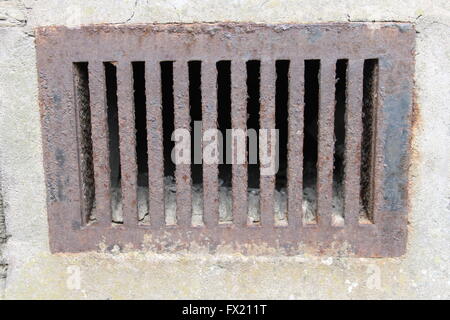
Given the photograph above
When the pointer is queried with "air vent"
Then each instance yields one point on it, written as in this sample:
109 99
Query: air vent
307 127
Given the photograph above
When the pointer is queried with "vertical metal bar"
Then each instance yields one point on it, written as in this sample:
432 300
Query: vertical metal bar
210 150
127 137
266 123
326 142
100 145
182 121
353 138
295 142
239 122
155 143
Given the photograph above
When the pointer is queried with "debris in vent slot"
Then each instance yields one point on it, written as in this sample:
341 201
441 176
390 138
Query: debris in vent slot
280 207
337 218
116 204
225 204
197 205
254 215
170 200
309 205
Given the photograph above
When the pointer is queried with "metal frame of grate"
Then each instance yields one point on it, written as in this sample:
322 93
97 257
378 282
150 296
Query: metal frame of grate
391 43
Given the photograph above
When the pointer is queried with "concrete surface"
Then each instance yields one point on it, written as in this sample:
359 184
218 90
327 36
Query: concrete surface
35 273
3 238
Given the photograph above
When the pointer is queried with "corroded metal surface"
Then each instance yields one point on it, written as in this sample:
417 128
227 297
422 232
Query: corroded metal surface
392 44
209 121
127 138
155 143
295 143
182 121
353 144
267 121
325 142
100 136
239 121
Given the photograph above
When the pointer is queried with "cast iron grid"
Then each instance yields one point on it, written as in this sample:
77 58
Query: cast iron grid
391 45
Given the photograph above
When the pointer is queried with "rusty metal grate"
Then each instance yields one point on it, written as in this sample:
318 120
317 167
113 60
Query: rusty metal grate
340 95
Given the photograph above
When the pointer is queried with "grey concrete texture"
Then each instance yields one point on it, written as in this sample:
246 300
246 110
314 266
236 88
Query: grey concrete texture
424 272
3 238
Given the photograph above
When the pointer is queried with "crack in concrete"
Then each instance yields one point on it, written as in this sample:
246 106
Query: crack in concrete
134 11
131 16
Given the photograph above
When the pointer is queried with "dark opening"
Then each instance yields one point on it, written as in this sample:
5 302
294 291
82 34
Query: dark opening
281 119
281 115
253 95
168 116
195 103
224 118
168 126
339 134
310 144
140 121
370 88
253 109
81 83
113 125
